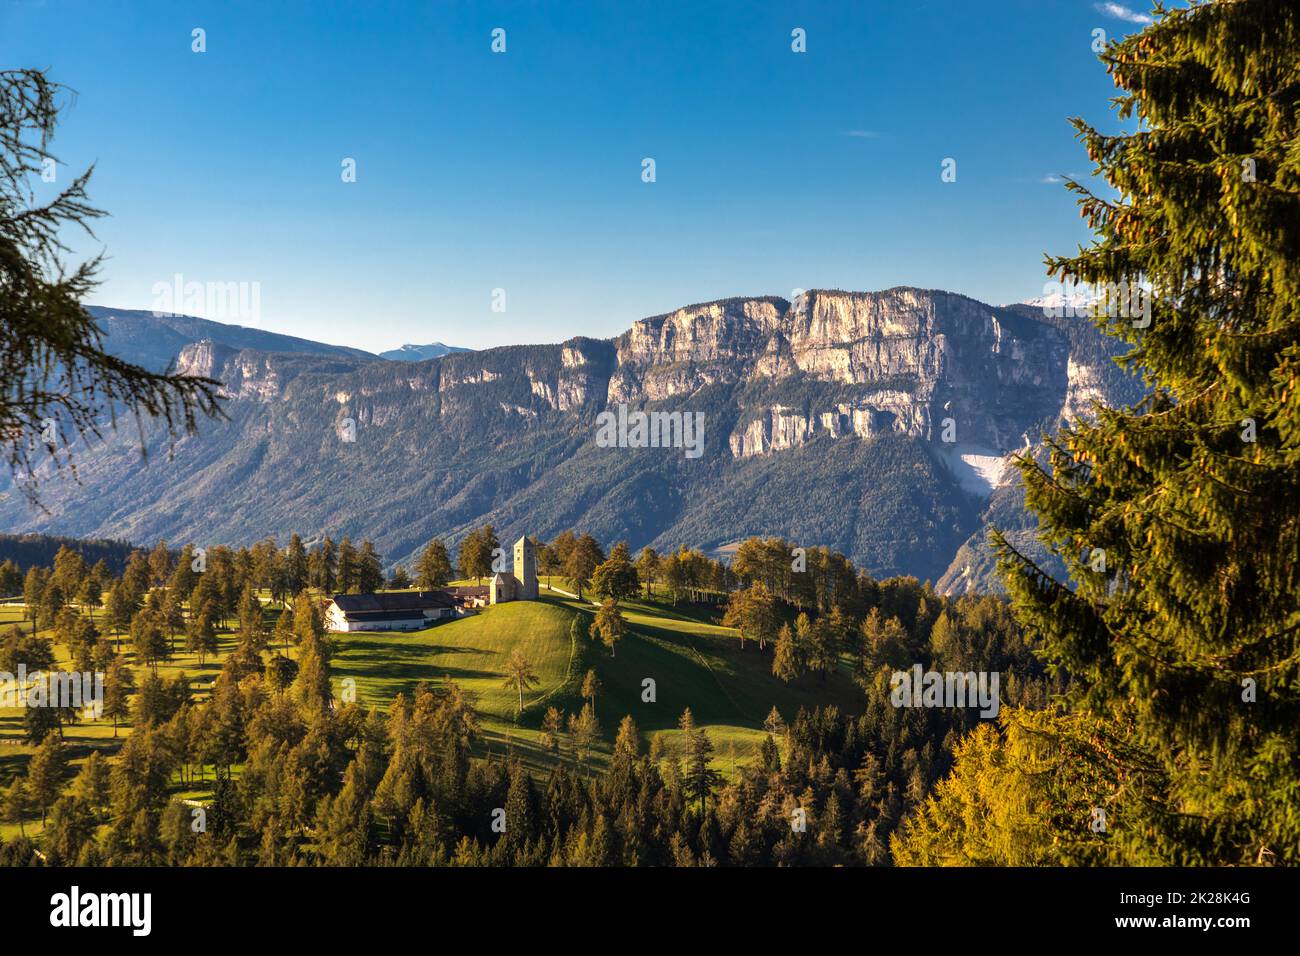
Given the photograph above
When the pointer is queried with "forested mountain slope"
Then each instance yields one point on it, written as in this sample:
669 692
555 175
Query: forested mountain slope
826 420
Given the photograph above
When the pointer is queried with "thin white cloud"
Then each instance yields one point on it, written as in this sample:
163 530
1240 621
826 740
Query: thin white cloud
1121 12
1053 179
860 133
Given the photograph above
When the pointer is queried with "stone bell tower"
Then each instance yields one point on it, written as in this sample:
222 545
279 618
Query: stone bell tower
526 569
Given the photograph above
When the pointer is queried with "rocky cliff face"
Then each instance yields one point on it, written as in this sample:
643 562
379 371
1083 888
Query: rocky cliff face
901 361
826 420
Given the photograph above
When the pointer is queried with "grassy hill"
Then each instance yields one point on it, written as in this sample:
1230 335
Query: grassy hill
692 660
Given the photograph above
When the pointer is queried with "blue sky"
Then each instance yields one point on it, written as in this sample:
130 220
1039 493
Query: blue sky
522 171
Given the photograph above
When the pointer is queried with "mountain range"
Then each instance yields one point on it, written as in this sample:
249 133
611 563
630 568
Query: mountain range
879 424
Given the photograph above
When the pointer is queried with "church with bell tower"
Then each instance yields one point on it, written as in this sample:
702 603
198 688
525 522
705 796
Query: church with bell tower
521 585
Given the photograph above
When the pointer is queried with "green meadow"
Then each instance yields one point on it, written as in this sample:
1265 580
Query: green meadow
671 659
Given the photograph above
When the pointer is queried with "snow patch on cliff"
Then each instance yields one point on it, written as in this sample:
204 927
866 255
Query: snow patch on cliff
978 470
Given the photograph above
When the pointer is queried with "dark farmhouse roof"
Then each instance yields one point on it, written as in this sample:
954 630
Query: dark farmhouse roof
469 590
392 604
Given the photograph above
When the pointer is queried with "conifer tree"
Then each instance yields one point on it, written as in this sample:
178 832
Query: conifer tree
280 673
520 675
148 640
311 686
521 808
821 655
610 625
118 686
52 602
283 630
552 729
616 577
476 553
184 577
252 627
582 562
346 574
53 364
753 613
307 622
399 580
370 570
647 569
1179 519
45 773
322 566
699 779
173 615
433 567
584 730
346 822
201 633
785 659
627 743
11 578
160 563
591 687
295 566
16 804
69 569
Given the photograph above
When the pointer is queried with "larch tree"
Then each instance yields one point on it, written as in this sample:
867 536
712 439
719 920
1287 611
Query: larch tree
647 569
627 742
582 562
345 577
45 773
584 731
785 658
57 381
433 567
201 632
311 687
610 625
160 563
118 687
476 553
252 626
753 613
591 687
370 569
520 675
15 804
148 639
